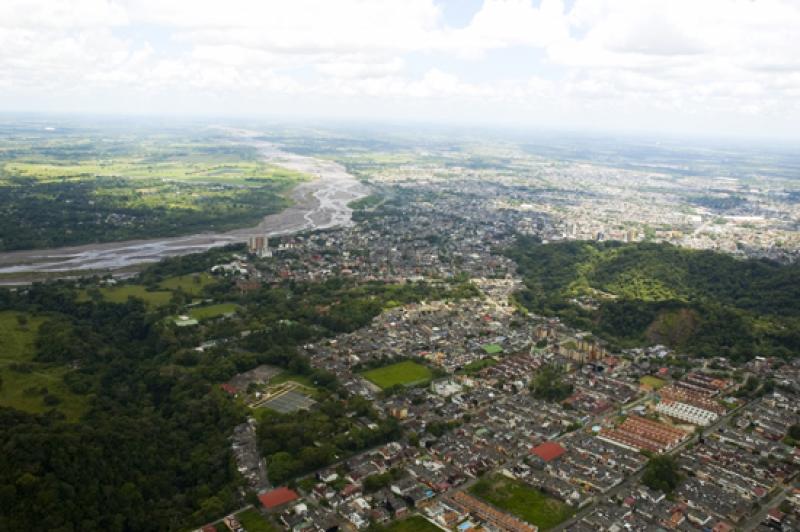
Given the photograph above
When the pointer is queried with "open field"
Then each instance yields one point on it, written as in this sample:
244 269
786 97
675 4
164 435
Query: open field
653 383
213 311
407 373
523 501
120 294
23 388
191 284
415 523
252 521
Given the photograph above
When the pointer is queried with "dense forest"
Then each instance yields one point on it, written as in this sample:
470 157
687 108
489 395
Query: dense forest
150 451
699 302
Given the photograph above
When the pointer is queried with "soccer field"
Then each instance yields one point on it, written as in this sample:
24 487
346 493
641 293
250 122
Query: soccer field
407 373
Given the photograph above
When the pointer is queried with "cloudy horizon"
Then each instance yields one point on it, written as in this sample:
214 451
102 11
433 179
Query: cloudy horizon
705 68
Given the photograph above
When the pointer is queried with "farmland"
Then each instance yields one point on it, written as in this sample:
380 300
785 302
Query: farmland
406 373
70 191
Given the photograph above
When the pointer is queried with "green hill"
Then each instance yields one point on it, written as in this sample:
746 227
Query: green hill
700 302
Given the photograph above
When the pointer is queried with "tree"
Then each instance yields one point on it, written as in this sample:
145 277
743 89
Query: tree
549 384
661 473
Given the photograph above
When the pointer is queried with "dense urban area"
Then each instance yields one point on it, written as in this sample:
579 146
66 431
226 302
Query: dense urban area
505 337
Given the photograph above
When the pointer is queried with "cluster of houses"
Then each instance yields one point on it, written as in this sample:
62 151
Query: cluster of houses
480 419
726 473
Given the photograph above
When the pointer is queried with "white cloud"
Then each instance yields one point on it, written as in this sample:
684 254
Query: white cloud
686 57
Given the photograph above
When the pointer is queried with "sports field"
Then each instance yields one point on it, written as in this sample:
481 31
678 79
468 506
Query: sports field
407 373
523 501
213 311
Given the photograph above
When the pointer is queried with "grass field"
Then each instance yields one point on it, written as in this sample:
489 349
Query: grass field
191 284
17 388
212 311
653 383
252 521
407 373
120 294
523 501
415 523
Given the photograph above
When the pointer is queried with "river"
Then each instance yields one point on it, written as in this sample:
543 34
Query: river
318 204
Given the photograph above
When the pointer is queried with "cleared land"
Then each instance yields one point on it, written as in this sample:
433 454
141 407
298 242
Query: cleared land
252 521
523 501
191 284
213 311
407 373
23 388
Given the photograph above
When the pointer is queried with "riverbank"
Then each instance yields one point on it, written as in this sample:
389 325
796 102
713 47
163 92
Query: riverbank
317 204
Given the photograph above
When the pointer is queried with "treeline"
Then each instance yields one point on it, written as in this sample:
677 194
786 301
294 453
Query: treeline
700 302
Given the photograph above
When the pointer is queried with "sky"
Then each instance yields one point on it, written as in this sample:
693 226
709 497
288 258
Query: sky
705 67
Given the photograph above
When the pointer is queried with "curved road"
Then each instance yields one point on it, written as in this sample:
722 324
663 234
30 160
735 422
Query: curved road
318 204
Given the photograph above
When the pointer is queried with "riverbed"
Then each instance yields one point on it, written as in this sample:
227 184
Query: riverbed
320 203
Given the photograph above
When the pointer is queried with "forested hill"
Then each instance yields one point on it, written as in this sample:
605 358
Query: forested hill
699 302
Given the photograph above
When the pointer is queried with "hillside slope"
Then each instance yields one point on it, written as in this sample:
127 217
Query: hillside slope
699 302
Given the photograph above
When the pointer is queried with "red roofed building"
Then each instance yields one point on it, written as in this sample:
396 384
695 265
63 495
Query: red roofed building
229 388
548 451
277 497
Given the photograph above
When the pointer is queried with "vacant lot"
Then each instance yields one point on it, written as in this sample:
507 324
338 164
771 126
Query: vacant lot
523 501
414 523
26 387
407 373
252 521
213 311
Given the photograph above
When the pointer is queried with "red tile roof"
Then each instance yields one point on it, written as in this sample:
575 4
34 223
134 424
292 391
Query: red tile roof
548 451
277 497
